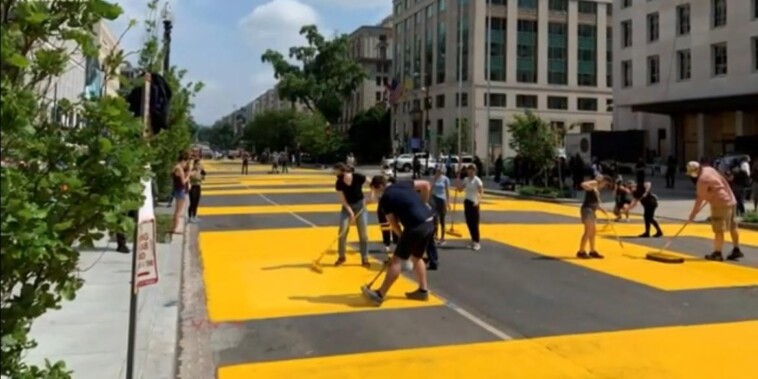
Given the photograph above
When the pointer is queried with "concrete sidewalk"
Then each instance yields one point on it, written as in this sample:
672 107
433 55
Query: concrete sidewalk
90 332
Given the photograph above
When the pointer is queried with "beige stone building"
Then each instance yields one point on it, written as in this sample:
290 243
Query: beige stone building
371 47
688 73
548 56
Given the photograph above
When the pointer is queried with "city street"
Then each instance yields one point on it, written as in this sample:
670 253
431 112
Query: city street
521 307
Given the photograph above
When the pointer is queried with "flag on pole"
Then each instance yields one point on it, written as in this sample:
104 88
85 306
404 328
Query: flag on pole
395 91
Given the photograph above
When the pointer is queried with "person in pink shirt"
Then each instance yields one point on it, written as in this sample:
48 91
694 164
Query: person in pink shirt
714 189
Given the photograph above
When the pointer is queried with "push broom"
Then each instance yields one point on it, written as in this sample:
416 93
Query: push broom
316 264
661 256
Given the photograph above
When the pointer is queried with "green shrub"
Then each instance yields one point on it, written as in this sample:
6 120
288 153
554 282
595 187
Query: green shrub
751 217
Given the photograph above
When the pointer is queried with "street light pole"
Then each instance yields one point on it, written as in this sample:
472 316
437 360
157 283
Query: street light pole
460 81
168 24
488 50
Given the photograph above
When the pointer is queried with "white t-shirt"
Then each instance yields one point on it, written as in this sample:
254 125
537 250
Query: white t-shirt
471 189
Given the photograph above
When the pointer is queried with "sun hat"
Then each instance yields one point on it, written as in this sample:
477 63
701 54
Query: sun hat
692 168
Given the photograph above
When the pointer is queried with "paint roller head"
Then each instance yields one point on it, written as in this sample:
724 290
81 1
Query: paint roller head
454 233
660 256
316 267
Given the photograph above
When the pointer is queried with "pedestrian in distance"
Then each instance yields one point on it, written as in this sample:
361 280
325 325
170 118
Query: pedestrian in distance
349 187
714 189
588 212
649 202
441 200
622 193
180 178
245 162
754 179
197 175
411 217
473 189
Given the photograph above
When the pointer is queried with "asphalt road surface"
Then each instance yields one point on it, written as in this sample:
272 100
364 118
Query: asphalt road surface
521 307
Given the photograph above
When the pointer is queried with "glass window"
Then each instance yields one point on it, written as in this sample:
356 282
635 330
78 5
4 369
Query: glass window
626 73
497 100
652 27
439 101
587 7
430 11
526 101
462 68
497 50
586 104
653 69
557 102
526 63
626 3
587 127
557 53
609 58
463 99
719 61
527 4
755 60
558 5
441 5
398 7
684 64
587 55
718 12
441 52
683 19
428 55
626 33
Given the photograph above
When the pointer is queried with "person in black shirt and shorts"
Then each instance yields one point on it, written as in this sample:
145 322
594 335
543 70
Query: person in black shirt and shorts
402 205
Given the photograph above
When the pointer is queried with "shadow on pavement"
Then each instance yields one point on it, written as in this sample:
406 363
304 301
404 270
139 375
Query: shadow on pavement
354 300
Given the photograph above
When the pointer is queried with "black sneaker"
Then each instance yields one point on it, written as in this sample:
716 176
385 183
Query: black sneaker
735 255
365 263
658 235
123 249
644 235
372 295
582 255
340 261
715 256
433 266
419 294
596 255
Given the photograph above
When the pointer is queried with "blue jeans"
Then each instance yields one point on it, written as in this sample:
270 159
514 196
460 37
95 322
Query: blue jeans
361 221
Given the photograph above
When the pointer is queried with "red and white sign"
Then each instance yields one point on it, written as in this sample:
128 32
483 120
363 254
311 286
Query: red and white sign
147 264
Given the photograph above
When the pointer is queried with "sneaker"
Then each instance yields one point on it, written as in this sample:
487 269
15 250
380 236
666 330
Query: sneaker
582 255
388 250
735 255
123 249
340 261
365 263
197 219
373 296
596 255
433 266
644 235
441 243
475 246
658 235
419 294
715 256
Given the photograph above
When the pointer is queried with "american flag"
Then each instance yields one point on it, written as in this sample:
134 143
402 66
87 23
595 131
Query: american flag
395 91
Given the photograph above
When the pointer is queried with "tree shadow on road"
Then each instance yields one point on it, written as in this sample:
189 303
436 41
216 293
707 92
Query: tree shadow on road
352 300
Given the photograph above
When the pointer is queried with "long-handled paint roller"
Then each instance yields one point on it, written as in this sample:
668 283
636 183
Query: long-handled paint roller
660 256
452 230
613 228
316 264
366 288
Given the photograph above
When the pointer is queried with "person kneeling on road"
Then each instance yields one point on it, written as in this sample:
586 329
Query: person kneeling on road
403 206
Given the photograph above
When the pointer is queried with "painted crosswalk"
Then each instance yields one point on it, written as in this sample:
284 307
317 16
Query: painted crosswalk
521 307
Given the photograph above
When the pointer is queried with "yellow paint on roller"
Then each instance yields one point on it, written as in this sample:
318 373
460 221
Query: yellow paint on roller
692 352
266 274
561 242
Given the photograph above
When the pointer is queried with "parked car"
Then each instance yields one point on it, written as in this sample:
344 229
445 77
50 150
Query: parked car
405 162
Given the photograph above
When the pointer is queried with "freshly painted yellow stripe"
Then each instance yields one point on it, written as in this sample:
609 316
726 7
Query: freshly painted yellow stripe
629 263
691 352
267 190
266 274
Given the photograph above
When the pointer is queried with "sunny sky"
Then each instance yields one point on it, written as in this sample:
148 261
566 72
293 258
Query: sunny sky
220 42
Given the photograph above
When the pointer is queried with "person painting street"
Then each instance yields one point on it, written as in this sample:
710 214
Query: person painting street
649 201
349 186
403 206
621 192
713 188
441 200
473 188
197 175
590 206
388 236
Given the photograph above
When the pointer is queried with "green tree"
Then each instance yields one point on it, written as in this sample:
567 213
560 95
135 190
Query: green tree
315 137
221 137
204 134
450 140
273 129
533 139
324 78
60 184
167 145
369 135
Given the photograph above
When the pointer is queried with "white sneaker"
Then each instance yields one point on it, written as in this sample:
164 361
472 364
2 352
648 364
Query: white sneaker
476 247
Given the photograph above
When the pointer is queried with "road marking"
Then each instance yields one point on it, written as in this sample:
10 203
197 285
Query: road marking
476 320
295 215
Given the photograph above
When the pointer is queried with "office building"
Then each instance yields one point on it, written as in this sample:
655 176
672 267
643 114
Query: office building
371 47
551 57
267 101
687 74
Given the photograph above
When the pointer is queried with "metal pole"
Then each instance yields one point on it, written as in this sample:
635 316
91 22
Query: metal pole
460 82
167 26
488 49
426 120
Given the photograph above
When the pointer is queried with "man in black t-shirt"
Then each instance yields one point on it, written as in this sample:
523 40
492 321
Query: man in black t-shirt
402 205
349 186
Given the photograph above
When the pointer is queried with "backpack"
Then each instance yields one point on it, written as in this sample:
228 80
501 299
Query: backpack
160 99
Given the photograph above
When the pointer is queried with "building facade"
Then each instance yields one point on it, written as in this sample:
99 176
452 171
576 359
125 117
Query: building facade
687 74
550 57
371 47
267 101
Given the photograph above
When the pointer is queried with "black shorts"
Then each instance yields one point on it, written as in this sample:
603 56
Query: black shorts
440 206
414 241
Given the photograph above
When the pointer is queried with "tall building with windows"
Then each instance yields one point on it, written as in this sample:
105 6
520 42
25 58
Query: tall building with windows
688 74
371 47
551 57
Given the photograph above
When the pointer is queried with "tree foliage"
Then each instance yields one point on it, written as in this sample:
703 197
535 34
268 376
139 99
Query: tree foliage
533 139
449 142
324 77
369 135
221 137
311 136
61 184
272 129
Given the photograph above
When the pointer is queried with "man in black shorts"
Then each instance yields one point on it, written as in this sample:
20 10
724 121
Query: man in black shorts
401 204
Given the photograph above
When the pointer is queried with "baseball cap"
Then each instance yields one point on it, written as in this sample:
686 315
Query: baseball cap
692 168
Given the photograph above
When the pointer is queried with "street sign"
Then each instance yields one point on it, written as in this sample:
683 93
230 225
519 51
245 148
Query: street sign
147 266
